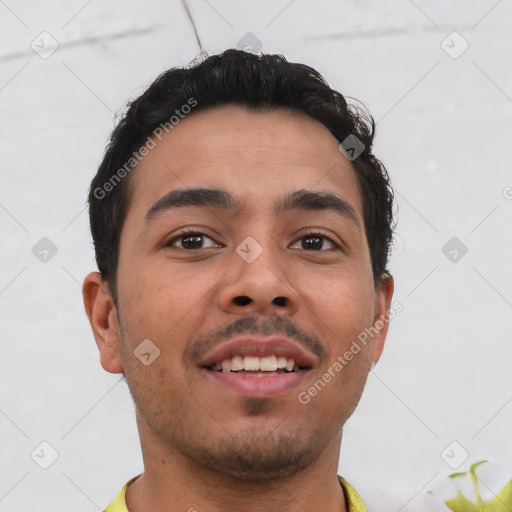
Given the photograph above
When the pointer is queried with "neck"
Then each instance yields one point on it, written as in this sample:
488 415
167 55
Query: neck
173 482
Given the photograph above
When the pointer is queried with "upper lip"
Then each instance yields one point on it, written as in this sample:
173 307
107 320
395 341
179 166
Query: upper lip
260 347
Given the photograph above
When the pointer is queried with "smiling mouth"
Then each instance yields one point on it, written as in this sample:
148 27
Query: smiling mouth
251 376
254 366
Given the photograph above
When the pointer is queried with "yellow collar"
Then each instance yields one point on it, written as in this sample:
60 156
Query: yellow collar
353 500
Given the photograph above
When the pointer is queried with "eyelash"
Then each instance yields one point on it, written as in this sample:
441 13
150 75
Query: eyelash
192 231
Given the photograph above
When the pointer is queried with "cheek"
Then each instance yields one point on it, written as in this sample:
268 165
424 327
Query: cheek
155 298
154 392
334 394
343 302
166 304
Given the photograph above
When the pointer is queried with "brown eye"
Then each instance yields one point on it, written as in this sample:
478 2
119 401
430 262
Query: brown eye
315 242
192 241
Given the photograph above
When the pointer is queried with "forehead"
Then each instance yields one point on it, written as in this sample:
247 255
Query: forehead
257 155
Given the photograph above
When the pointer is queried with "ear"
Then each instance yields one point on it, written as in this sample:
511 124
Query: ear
102 315
384 294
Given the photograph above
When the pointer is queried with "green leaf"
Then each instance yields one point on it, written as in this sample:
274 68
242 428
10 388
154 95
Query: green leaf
474 466
461 504
457 475
502 502
472 470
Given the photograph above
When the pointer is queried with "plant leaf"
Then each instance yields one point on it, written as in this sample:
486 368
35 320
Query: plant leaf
474 466
502 502
457 475
461 504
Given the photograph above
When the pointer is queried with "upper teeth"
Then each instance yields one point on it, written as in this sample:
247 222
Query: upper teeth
254 363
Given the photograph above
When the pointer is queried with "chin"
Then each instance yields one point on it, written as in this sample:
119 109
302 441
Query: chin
259 458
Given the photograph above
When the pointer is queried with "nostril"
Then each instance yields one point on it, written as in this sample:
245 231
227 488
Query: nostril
242 300
280 301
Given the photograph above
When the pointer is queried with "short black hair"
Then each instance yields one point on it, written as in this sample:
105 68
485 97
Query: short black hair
234 77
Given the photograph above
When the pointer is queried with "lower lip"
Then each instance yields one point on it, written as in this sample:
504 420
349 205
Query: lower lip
258 387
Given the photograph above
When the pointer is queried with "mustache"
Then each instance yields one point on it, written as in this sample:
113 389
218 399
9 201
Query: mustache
273 325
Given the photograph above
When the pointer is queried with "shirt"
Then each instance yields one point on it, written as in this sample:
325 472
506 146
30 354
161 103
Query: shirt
353 501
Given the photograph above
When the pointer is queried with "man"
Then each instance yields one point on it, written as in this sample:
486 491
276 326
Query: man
242 254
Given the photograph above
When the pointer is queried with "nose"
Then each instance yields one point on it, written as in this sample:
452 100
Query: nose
261 286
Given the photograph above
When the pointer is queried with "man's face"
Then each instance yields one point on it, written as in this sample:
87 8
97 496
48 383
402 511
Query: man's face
301 273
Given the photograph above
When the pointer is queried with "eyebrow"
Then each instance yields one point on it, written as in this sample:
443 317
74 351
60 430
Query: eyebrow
221 199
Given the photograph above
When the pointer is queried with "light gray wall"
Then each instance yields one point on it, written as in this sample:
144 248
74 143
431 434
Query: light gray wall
444 132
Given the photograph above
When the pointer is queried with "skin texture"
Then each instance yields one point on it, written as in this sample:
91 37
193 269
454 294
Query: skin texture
203 445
